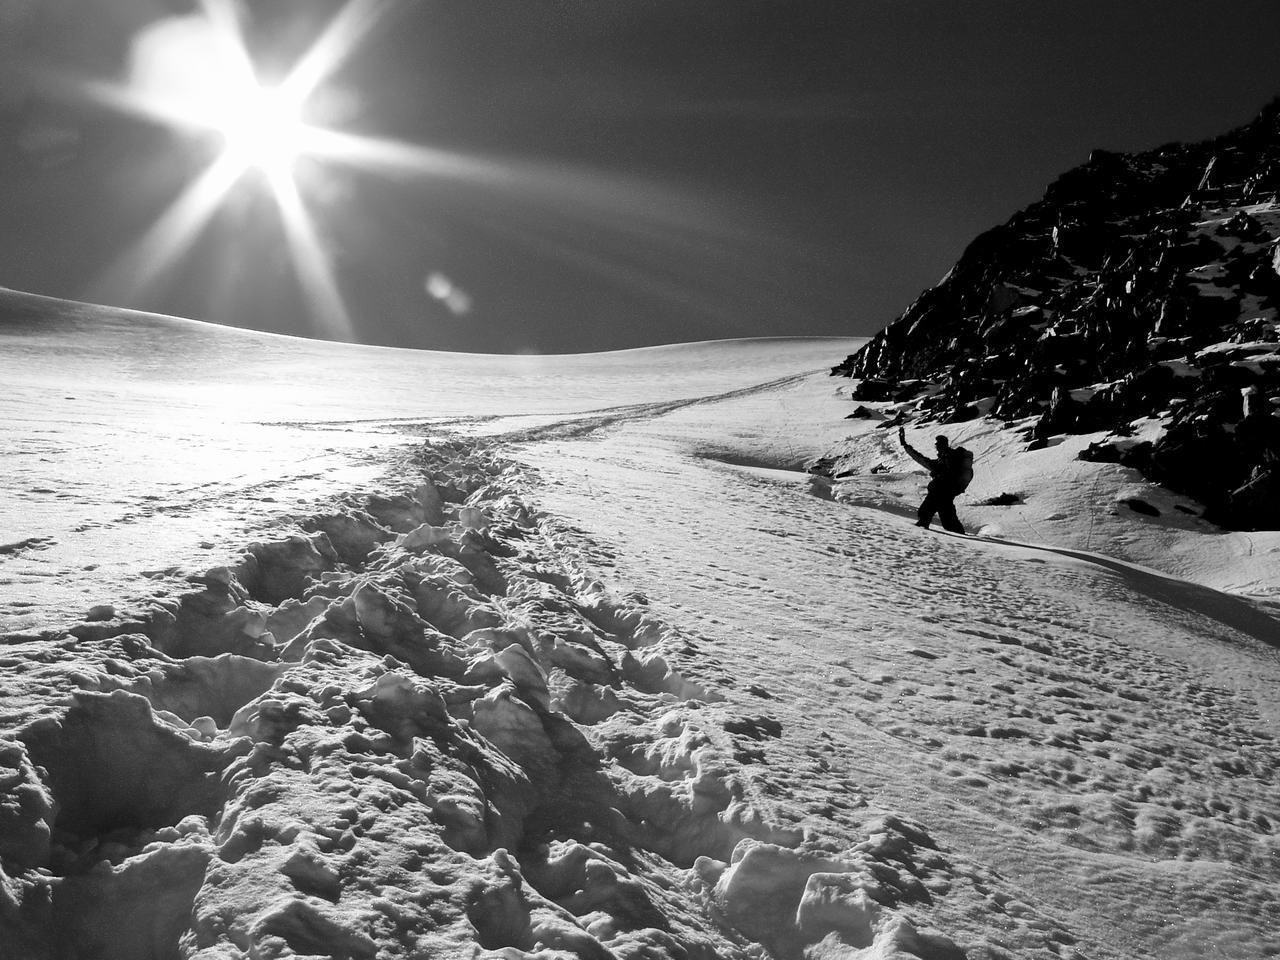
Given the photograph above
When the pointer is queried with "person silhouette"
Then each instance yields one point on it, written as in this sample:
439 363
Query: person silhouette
949 474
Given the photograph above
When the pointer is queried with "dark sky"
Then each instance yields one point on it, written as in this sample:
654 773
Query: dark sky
677 169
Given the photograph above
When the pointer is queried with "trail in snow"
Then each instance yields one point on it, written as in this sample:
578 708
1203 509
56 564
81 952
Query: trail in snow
1102 735
420 725
138 442
1037 750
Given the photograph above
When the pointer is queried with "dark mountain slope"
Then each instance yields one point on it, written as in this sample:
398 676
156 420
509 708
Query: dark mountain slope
1143 285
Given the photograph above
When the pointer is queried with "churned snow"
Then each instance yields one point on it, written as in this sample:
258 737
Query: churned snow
317 650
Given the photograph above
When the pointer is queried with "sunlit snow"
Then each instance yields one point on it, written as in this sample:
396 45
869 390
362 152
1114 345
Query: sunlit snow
708 701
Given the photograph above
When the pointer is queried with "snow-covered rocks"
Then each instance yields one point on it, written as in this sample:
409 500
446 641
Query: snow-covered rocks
1123 294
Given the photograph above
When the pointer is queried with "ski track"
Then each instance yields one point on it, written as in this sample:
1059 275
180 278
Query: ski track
1121 770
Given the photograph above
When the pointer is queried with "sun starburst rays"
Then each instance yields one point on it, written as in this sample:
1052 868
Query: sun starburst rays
218 93
196 75
335 45
310 259
171 236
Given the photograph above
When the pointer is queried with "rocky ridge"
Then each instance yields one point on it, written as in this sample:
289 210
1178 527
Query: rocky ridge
1137 299
415 726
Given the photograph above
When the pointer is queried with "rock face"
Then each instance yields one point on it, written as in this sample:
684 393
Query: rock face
1141 286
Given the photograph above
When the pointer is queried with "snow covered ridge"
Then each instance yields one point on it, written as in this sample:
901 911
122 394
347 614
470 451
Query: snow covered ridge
415 727
1142 286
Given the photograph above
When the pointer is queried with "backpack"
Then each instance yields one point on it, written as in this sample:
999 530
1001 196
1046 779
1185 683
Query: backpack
961 468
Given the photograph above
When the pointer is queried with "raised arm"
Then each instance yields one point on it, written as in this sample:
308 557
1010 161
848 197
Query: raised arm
912 452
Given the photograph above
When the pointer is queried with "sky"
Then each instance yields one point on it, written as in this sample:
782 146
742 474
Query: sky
553 176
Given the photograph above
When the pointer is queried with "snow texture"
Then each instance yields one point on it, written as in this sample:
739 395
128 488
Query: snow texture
596 674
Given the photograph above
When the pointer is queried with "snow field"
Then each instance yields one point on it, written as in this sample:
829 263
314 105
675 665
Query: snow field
1054 499
1099 734
613 682
135 442
417 725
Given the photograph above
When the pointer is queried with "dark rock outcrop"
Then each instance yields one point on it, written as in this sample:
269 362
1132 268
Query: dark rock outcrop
1142 285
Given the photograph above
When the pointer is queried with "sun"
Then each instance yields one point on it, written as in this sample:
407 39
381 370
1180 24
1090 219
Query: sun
261 128
194 72
273 128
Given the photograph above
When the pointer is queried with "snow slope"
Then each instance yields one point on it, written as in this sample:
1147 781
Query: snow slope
128 436
1098 733
1051 497
581 662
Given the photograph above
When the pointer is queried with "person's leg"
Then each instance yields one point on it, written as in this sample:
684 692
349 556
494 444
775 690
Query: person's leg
947 515
924 516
